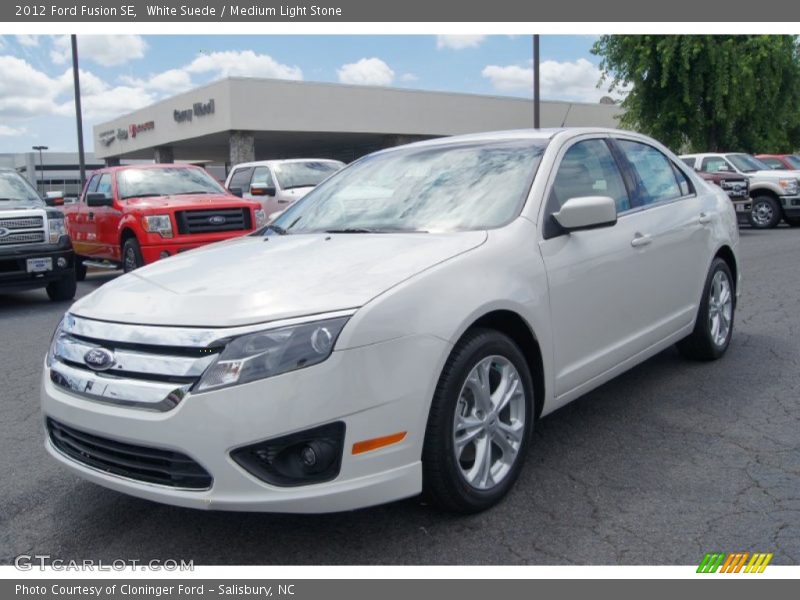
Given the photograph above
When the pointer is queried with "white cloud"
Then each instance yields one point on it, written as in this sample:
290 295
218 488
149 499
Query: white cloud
25 91
106 50
246 63
459 42
570 80
172 81
367 71
6 131
28 40
409 77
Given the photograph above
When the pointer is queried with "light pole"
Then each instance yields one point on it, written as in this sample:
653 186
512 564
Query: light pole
536 99
78 113
41 166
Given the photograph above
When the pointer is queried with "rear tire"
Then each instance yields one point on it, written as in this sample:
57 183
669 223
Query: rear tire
766 213
131 255
714 326
479 425
62 289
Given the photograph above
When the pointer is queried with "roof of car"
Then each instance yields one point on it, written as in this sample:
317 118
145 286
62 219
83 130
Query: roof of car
277 161
145 166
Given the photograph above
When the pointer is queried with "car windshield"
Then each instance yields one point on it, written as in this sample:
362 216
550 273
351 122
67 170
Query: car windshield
168 181
424 188
747 164
794 161
304 174
15 191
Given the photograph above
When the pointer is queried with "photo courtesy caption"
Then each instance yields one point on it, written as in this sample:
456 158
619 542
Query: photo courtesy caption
127 589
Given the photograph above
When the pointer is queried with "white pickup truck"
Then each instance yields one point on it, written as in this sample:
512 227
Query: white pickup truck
775 194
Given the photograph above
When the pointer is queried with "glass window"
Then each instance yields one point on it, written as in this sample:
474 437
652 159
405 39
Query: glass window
715 164
655 173
793 160
298 174
589 169
439 187
746 163
91 187
262 176
241 179
683 181
773 163
689 162
165 181
104 184
16 191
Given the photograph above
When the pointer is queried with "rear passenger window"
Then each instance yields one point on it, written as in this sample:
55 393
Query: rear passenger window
656 173
589 169
714 165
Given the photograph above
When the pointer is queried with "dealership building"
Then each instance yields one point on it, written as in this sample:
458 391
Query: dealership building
235 120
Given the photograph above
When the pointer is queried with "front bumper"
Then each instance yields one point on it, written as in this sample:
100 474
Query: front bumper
791 205
375 390
13 265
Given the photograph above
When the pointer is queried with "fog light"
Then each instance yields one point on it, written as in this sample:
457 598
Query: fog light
302 458
164 254
61 262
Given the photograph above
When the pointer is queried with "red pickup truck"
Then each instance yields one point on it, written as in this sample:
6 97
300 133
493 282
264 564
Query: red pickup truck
134 215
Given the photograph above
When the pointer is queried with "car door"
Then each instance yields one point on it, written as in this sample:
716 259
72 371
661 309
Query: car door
677 217
76 219
97 217
106 219
603 290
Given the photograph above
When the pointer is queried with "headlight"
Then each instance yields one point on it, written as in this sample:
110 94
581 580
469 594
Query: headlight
53 342
57 229
268 353
789 186
261 218
158 224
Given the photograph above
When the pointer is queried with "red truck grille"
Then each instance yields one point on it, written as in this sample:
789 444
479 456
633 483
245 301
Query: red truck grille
213 220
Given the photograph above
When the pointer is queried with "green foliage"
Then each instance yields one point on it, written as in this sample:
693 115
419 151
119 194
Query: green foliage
708 92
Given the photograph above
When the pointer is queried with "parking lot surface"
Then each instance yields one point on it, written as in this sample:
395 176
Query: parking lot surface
669 461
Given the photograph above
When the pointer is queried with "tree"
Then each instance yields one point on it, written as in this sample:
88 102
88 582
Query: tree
708 92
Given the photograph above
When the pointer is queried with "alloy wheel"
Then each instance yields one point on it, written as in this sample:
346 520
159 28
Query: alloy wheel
720 308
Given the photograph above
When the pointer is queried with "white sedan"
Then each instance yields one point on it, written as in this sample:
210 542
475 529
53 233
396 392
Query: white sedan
398 330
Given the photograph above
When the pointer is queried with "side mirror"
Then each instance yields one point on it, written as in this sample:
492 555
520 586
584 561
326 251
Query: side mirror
262 189
587 212
97 199
236 191
54 198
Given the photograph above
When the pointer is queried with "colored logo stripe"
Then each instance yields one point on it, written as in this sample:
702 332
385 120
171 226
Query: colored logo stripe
734 562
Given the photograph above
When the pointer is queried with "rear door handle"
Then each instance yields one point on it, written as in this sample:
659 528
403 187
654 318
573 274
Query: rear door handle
640 240
704 219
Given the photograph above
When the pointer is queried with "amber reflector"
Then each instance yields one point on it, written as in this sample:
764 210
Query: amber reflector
375 443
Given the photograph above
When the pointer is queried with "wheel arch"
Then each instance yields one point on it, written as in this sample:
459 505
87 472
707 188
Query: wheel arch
726 253
512 324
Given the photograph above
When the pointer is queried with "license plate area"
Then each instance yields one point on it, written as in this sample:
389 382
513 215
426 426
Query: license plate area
744 207
39 265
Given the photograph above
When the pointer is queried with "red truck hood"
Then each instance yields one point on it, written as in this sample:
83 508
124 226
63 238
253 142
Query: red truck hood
193 200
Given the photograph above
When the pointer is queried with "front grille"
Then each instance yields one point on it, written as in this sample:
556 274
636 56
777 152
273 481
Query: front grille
151 465
22 223
26 237
213 220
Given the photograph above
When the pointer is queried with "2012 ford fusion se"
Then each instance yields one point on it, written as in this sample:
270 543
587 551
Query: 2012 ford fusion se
400 329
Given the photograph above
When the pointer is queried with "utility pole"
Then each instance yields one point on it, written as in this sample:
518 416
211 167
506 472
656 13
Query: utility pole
41 166
536 99
78 114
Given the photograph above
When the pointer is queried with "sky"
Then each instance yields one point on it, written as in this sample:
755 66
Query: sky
122 73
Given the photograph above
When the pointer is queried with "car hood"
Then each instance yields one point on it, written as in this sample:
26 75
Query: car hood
186 200
773 174
255 279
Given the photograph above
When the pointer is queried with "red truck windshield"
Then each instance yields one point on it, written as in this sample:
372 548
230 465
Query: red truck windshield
171 181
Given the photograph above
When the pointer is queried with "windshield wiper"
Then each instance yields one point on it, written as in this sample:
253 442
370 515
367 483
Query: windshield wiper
291 187
141 196
367 230
276 228
193 192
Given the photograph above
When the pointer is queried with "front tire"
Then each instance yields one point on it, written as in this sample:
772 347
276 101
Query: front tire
766 213
131 255
714 325
62 289
479 424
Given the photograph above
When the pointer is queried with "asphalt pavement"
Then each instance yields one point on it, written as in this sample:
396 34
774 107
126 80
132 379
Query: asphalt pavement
669 461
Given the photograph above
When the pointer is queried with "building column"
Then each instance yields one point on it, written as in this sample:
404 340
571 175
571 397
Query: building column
163 154
242 147
112 161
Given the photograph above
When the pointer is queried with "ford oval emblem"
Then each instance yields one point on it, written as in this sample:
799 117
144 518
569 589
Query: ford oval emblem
99 359
4 232
217 220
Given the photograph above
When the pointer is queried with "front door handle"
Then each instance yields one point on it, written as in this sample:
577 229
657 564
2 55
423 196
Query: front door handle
283 201
704 219
640 240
